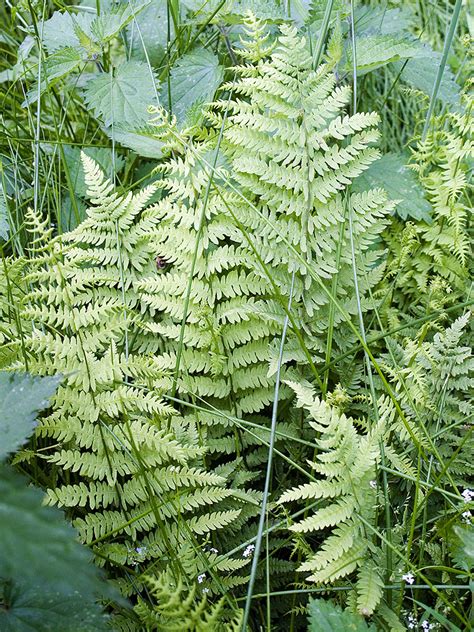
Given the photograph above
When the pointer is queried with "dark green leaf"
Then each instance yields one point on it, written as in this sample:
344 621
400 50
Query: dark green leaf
21 397
462 546
123 97
39 548
194 79
371 19
391 173
325 616
40 610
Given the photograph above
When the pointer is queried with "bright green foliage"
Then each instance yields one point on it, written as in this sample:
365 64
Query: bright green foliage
432 259
435 381
130 482
207 294
294 153
176 609
345 466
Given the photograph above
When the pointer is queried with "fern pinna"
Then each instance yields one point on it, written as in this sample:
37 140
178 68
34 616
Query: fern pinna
294 152
345 467
122 466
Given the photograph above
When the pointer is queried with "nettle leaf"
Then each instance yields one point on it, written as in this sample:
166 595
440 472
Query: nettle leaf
150 30
4 225
123 97
317 9
370 20
21 397
194 79
56 66
325 616
141 141
268 10
462 546
108 25
420 73
43 611
42 566
374 51
62 29
391 173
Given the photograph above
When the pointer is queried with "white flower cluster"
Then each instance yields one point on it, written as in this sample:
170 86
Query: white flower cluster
413 624
249 550
409 578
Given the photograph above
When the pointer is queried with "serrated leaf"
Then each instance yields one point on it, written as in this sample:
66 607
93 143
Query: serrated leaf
61 29
420 73
325 616
141 140
43 611
374 51
57 66
21 397
268 10
107 25
462 546
392 174
317 9
194 79
123 97
149 30
39 555
371 19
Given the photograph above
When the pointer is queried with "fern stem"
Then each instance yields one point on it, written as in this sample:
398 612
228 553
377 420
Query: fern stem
261 522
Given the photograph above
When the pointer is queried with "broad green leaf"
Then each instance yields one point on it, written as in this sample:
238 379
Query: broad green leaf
61 29
194 79
268 10
21 397
43 611
108 24
317 9
392 174
40 556
371 20
71 214
462 546
325 616
150 30
141 140
4 225
420 73
101 155
122 97
57 66
374 51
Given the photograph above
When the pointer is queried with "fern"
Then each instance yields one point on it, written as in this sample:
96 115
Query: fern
109 439
429 264
294 152
345 466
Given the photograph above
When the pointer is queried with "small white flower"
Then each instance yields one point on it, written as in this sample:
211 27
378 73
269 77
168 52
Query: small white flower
409 578
373 484
212 550
426 625
468 495
467 515
249 550
201 578
411 622
205 590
